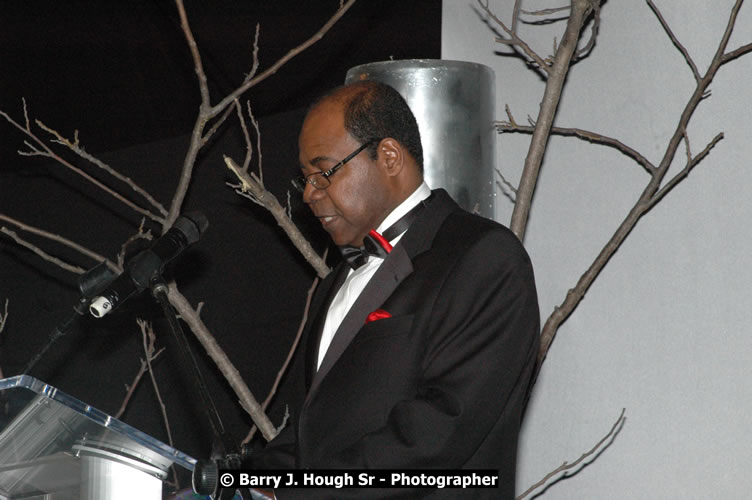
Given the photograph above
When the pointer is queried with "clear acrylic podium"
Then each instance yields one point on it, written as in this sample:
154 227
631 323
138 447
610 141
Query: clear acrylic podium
54 447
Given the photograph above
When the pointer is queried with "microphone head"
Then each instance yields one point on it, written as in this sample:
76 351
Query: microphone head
192 225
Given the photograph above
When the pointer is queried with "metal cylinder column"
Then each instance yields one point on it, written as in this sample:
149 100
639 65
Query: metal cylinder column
454 104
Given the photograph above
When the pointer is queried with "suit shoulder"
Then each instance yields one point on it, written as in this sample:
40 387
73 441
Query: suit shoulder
463 231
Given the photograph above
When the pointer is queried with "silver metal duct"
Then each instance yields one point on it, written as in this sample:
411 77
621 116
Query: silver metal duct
454 104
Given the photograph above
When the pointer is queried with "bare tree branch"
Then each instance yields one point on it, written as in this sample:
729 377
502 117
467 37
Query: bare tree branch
648 198
197 326
288 359
681 175
515 14
40 148
59 239
585 50
729 56
150 355
509 185
545 12
586 135
41 253
252 188
514 39
594 451
207 112
77 149
246 135
131 388
675 41
140 235
557 75
3 320
148 339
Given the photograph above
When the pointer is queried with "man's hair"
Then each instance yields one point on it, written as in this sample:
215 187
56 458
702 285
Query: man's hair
375 110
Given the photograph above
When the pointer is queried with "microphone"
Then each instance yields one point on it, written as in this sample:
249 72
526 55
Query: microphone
150 263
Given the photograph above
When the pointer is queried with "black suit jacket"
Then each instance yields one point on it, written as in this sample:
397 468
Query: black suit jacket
441 384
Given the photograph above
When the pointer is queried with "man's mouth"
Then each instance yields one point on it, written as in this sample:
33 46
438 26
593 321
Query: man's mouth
326 219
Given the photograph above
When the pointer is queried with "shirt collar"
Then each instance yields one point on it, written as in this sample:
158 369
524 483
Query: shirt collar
420 194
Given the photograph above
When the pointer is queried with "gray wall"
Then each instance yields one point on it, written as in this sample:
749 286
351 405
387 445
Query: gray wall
664 332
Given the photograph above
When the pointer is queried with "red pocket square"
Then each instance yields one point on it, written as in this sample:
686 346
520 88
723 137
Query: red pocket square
378 314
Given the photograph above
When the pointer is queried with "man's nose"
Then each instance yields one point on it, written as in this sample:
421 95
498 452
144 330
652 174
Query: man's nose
311 194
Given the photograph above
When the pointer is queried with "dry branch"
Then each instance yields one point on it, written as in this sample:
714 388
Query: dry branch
41 253
151 355
3 320
556 77
586 135
593 452
39 148
515 40
59 239
251 187
288 359
231 374
653 192
557 73
207 112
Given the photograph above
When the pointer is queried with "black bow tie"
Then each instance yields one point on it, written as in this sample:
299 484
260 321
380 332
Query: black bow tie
374 244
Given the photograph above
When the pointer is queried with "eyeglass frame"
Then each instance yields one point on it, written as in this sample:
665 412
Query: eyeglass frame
300 181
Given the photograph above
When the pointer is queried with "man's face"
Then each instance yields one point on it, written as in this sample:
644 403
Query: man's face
358 198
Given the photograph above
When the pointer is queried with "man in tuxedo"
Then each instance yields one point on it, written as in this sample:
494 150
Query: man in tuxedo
417 357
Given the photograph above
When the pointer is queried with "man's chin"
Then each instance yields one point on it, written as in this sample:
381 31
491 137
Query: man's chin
342 240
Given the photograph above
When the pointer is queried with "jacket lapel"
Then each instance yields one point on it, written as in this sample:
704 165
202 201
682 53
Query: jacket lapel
329 288
395 268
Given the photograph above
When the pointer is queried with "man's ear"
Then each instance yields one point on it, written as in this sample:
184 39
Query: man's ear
391 155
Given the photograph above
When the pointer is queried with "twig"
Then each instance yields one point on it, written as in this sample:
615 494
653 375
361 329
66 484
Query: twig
59 239
41 253
252 188
584 135
130 389
149 339
675 41
284 59
585 50
509 185
140 235
3 320
255 124
145 367
290 354
691 163
42 149
545 12
246 136
75 148
595 450
515 40
207 111
515 14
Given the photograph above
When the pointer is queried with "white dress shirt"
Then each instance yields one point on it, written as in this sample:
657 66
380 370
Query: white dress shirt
357 279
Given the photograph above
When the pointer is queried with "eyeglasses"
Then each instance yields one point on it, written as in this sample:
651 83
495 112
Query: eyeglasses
320 180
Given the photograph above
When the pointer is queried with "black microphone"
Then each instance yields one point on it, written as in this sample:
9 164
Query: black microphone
150 263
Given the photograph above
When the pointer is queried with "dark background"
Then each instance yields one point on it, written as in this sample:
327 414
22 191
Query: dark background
121 74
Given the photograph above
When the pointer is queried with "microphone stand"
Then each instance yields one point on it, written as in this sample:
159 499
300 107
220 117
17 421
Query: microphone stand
91 283
205 472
